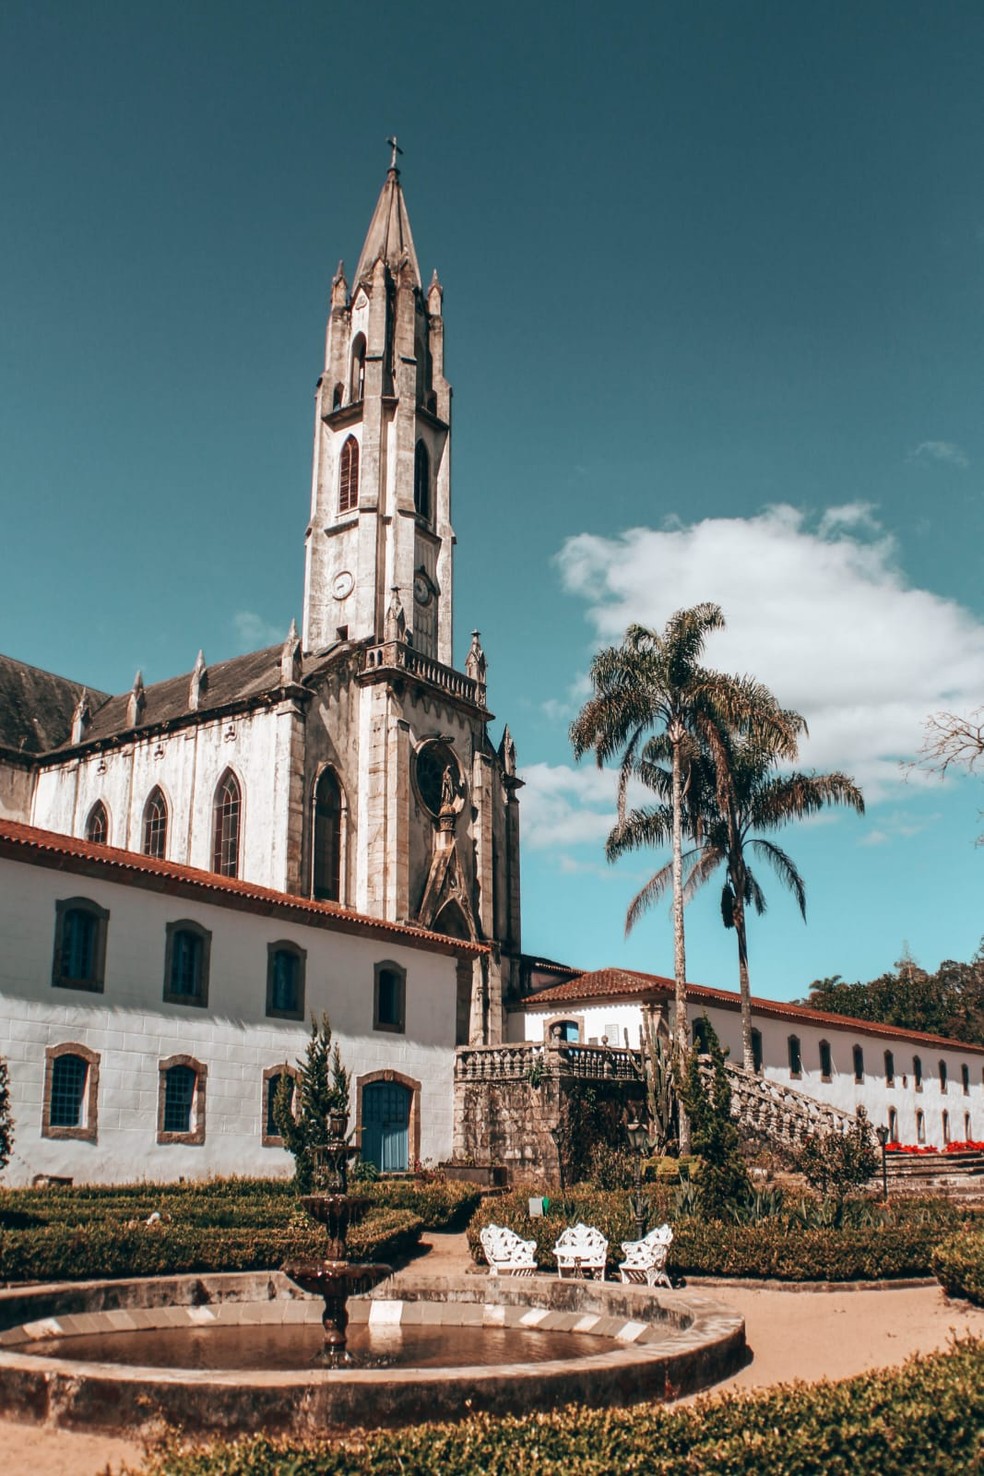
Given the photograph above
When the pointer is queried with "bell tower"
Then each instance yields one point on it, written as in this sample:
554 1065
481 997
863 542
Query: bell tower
380 537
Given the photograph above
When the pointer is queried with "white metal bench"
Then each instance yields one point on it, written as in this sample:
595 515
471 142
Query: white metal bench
506 1252
645 1259
581 1251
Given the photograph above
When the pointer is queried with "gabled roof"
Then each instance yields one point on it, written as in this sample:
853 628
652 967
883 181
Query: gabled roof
37 847
36 707
629 986
389 235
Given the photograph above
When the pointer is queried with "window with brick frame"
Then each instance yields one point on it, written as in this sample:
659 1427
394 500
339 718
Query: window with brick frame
181 1100
389 998
187 956
71 1093
80 944
271 1136
286 964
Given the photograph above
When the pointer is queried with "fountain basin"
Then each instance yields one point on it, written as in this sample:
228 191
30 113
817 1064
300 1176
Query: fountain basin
652 1345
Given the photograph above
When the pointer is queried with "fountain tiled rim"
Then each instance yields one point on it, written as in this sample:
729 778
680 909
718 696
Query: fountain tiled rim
663 1344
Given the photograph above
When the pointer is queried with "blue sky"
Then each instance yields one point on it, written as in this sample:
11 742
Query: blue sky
715 305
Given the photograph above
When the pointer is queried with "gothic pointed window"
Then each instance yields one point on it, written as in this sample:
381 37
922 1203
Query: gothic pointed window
326 879
348 480
358 367
97 825
155 824
421 481
226 815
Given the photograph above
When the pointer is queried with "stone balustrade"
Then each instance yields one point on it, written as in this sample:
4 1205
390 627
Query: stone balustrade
398 656
776 1111
531 1061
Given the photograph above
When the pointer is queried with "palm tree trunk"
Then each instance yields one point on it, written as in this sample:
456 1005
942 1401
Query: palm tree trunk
738 913
675 734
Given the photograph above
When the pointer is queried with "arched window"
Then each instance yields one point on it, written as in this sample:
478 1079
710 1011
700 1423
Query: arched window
68 1078
226 811
917 1072
358 381
968 1135
179 1094
186 962
348 479
946 1128
327 847
421 481
893 1125
97 825
920 1128
337 396
80 944
700 1036
71 1092
795 1056
965 1080
826 1062
757 1049
943 1076
155 824
271 1135
285 981
858 1055
889 1069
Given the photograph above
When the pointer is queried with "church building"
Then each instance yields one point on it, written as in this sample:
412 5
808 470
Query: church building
352 764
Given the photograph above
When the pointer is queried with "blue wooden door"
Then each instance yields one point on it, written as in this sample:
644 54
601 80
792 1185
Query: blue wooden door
386 1126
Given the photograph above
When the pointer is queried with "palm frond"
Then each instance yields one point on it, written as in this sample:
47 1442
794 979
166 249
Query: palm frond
784 868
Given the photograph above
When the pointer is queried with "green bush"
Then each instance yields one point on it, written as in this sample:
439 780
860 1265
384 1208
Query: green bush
899 1244
63 1252
439 1203
958 1265
924 1417
775 1249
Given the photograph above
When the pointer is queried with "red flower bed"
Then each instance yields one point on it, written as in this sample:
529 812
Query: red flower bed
968 1147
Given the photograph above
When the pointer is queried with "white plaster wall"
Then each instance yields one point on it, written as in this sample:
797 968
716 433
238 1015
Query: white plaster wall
132 1029
842 1091
187 765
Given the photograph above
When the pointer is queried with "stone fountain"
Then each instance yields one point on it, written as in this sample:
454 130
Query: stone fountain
334 1278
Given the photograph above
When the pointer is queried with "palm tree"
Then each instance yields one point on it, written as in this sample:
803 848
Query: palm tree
723 818
652 698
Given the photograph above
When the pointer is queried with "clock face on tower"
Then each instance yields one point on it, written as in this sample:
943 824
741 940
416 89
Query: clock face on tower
423 591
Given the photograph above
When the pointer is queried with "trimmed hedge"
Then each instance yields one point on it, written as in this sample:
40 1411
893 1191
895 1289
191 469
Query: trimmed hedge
62 1252
958 1264
927 1416
772 1248
440 1203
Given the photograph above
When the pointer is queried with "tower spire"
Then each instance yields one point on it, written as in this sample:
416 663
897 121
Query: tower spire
389 237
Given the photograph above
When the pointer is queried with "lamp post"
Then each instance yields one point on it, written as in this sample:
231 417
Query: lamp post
638 1137
881 1133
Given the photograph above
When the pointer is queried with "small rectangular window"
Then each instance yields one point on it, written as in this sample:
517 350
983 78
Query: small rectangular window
186 964
389 1003
285 981
795 1056
181 1100
80 944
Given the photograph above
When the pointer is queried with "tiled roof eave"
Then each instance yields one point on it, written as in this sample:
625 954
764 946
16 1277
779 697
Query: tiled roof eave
27 843
639 988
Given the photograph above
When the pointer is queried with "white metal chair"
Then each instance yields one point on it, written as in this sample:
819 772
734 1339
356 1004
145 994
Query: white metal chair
506 1252
645 1259
581 1251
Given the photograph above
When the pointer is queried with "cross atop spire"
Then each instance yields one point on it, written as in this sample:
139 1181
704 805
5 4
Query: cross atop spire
396 150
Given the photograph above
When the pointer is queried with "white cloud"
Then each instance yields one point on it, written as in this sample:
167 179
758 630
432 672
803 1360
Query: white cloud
818 609
253 632
563 806
945 451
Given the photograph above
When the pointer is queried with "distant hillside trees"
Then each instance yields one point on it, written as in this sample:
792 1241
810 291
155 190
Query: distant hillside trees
947 1002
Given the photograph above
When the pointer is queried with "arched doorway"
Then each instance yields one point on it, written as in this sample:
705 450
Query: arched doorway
386 1126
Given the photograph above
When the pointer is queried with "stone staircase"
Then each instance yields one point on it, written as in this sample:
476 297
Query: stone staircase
957 1175
775 1112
